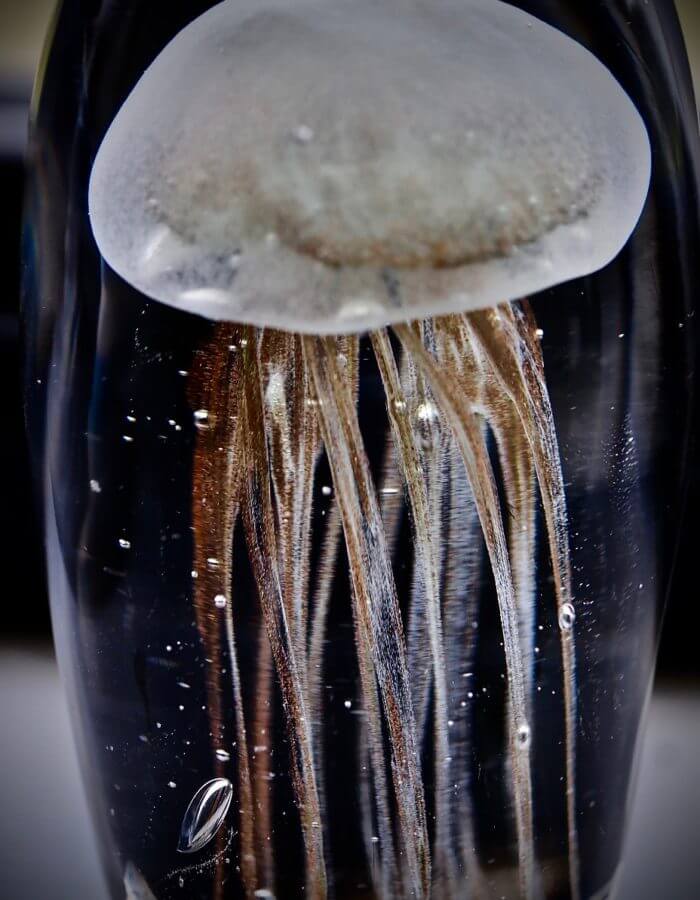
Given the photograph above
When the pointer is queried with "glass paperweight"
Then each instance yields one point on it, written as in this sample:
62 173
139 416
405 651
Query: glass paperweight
360 348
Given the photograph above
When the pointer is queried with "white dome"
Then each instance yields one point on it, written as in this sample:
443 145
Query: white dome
336 165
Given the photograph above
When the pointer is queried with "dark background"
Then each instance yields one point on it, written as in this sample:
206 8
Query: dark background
46 848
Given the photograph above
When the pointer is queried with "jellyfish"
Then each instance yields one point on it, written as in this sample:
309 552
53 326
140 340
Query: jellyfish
306 172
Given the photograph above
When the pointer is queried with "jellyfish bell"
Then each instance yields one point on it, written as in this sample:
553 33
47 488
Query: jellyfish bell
326 167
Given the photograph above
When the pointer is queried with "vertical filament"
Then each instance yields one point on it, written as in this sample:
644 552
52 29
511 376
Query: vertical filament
287 401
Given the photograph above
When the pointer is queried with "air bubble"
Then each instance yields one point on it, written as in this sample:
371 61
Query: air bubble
427 423
523 736
205 815
220 601
222 755
303 134
567 616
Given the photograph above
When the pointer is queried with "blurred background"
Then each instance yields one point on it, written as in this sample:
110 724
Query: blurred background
44 823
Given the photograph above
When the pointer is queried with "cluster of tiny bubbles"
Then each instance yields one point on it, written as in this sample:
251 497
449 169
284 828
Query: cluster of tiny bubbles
567 615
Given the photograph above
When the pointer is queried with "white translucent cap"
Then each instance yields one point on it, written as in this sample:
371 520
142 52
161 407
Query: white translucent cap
332 166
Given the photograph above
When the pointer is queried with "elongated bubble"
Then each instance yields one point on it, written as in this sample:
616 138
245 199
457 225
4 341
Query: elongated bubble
281 162
205 815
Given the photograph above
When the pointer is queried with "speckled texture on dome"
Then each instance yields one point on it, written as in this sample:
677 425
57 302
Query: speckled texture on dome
332 166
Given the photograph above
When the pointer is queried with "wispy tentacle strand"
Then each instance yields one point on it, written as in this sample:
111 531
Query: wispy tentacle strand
509 337
269 404
217 480
425 526
416 403
518 478
461 597
467 432
293 442
325 576
378 617
263 735
259 522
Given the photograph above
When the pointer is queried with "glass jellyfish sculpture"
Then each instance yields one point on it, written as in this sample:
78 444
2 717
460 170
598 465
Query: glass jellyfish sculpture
352 325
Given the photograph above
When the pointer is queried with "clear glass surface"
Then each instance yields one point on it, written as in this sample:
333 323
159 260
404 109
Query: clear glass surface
217 768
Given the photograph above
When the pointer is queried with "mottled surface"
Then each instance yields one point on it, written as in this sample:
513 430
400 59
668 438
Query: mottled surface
332 167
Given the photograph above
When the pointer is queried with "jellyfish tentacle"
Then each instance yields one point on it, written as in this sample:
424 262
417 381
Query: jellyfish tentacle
374 598
263 731
329 552
509 336
467 432
519 480
349 347
306 438
259 522
518 476
389 878
292 436
426 542
274 367
216 502
414 397
460 592
274 360
317 638
517 471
